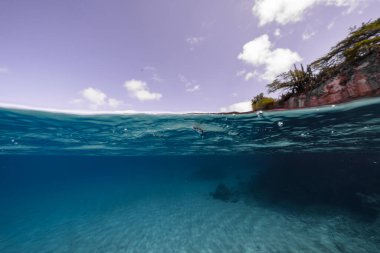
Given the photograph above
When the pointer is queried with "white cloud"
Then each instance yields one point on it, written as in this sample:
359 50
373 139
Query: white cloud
307 35
153 71
191 86
330 25
76 101
248 76
241 73
194 40
4 70
238 107
182 78
260 52
149 68
290 11
140 90
157 78
114 103
350 5
96 98
277 32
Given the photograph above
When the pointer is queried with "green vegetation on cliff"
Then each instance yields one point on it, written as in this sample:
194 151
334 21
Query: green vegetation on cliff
358 44
260 102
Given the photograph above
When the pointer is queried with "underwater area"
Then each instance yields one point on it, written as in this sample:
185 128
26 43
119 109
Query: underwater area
281 181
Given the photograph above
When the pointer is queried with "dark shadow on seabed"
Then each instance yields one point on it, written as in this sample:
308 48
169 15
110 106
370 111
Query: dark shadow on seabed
340 180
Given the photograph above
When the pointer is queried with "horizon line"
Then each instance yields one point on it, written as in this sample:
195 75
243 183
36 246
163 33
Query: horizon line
92 112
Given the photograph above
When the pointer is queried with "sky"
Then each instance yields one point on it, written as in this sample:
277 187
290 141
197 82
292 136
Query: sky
162 55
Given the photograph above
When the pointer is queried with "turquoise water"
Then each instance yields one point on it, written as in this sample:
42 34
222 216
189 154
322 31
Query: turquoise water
285 181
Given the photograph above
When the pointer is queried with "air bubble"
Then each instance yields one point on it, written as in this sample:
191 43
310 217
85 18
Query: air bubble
233 133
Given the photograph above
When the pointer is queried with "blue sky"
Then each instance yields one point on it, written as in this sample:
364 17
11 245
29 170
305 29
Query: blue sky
201 55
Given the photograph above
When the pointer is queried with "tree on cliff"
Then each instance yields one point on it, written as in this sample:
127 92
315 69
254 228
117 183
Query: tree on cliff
294 81
359 43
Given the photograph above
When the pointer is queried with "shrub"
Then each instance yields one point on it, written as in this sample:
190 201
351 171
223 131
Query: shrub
260 102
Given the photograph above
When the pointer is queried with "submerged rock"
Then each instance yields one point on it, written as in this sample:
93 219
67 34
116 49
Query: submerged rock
223 192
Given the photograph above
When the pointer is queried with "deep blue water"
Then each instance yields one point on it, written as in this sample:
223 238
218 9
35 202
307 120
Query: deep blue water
289 181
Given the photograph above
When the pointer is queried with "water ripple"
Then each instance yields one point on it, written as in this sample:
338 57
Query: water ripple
349 127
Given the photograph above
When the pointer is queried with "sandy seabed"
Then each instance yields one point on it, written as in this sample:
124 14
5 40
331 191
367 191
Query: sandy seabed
179 218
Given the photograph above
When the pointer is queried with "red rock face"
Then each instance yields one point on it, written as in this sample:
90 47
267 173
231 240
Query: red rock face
358 86
361 83
334 86
313 101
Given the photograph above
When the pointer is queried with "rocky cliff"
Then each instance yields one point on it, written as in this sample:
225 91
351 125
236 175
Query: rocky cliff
362 79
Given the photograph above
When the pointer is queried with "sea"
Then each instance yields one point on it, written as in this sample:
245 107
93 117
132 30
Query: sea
303 180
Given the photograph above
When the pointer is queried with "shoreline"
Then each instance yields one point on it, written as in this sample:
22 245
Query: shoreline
301 108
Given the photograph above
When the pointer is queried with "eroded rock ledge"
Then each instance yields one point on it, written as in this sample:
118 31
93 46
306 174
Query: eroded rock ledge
362 80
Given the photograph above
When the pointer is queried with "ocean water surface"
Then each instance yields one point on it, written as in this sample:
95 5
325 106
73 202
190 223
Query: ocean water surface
282 181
